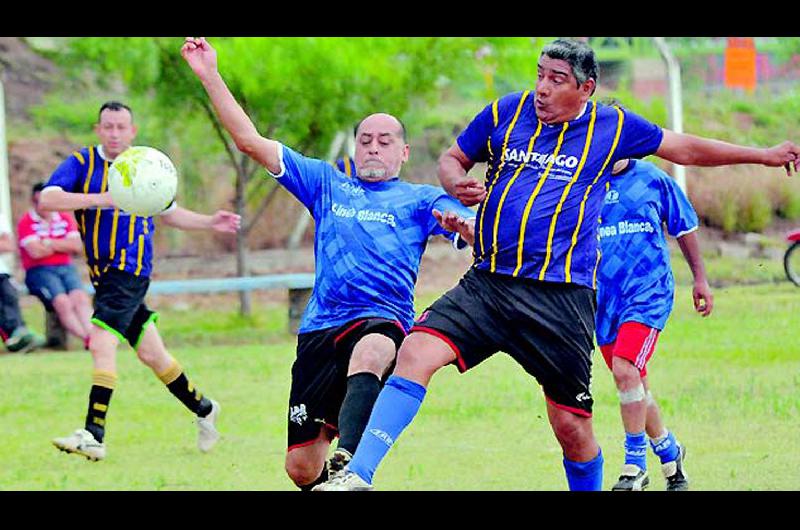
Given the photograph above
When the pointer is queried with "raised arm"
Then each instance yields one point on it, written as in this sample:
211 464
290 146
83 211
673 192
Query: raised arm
220 221
688 150
56 199
453 168
701 292
202 58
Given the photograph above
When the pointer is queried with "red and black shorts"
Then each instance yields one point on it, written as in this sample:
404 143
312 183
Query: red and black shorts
319 374
635 342
547 327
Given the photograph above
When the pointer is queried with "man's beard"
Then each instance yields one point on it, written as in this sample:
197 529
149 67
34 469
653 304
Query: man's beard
372 173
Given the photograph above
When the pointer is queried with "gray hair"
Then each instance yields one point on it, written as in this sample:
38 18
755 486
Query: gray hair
577 54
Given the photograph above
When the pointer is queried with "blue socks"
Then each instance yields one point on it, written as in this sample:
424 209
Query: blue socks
395 408
585 476
665 447
636 449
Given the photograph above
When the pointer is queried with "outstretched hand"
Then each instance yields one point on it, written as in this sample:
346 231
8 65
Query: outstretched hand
226 222
452 222
786 154
200 55
702 298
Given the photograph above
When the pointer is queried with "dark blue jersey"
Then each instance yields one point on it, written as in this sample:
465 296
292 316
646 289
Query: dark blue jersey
545 185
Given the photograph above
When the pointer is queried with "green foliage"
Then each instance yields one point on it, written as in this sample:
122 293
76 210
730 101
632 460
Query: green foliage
756 213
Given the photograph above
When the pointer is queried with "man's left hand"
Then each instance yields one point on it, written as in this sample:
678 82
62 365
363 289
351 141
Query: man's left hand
226 222
452 222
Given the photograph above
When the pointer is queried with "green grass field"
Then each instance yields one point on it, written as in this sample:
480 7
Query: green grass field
728 386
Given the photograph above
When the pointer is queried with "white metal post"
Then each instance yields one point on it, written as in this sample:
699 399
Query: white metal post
675 101
5 188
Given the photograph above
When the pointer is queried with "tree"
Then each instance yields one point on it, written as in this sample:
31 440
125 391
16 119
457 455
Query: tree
301 91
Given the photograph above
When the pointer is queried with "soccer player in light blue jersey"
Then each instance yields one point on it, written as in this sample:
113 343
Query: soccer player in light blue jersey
635 292
371 231
119 253
531 290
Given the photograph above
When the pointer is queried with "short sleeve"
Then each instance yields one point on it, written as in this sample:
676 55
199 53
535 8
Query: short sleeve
25 231
67 175
302 176
677 212
639 138
473 139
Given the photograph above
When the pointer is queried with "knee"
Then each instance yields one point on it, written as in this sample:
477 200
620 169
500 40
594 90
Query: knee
62 303
569 427
302 471
626 375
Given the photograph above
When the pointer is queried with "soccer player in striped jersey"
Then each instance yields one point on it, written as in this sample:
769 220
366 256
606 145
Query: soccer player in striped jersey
371 231
119 252
635 292
531 290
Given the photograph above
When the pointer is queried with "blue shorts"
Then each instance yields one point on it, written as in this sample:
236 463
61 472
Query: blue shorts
48 281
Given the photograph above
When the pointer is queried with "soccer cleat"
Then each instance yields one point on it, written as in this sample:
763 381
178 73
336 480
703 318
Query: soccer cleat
207 433
633 478
82 442
345 480
337 462
673 472
23 341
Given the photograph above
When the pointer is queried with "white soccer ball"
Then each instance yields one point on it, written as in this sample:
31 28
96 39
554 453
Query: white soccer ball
142 181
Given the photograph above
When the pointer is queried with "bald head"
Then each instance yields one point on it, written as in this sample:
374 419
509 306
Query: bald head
381 147
381 116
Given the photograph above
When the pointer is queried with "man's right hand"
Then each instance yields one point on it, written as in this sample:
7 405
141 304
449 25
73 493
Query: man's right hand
202 58
104 200
469 191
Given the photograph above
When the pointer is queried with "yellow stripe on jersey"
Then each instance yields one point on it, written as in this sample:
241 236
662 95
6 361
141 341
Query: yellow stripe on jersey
103 186
503 197
489 139
494 111
565 193
131 228
568 263
511 125
121 260
139 255
79 157
87 181
112 241
529 205
347 169
596 266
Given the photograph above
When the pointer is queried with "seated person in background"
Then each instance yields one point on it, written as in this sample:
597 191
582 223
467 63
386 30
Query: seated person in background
13 332
47 241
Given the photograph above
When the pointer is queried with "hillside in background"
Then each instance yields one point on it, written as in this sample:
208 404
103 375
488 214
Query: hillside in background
733 199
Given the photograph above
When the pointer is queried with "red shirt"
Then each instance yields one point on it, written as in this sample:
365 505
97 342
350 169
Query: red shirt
34 228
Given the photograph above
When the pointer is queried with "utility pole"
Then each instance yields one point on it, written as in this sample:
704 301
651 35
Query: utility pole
675 106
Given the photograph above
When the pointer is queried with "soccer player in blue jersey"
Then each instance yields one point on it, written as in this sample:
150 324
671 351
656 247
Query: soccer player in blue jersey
531 290
371 231
635 291
119 252
347 166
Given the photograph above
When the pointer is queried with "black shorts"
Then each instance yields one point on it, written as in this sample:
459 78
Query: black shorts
547 327
119 305
319 375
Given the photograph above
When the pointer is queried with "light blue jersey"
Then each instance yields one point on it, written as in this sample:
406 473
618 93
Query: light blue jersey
634 280
368 242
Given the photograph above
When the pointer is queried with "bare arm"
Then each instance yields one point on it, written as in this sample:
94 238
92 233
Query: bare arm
71 244
38 249
220 221
202 58
7 242
54 199
701 292
453 168
688 150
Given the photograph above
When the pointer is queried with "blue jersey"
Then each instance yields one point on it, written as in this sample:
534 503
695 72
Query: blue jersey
635 282
545 185
368 242
111 237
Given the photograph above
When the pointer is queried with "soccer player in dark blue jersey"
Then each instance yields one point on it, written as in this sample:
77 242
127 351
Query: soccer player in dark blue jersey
119 252
371 231
531 290
635 292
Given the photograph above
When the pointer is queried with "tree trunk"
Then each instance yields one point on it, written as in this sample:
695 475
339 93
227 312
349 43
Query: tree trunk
241 237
